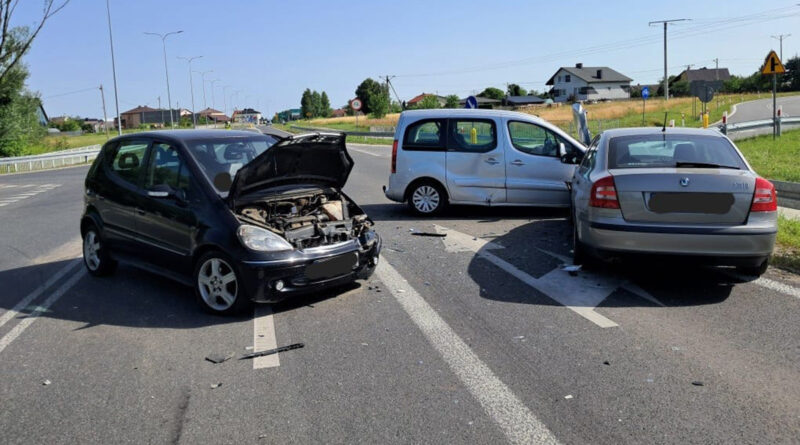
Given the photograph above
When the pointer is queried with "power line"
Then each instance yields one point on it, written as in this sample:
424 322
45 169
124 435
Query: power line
70 92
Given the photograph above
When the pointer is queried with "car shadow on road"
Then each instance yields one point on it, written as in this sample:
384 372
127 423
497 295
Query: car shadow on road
484 214
538 248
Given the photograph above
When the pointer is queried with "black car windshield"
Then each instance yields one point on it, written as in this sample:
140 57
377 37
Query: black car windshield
672 150
221 158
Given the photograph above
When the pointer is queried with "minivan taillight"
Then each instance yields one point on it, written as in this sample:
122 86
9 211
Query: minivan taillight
394 156
604 194
765 199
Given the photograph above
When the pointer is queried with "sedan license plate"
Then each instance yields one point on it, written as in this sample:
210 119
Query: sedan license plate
713 203
332 267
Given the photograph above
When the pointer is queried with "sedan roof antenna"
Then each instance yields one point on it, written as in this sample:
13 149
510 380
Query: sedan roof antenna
664 127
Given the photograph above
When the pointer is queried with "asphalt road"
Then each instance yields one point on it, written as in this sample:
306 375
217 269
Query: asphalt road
477 337
762 109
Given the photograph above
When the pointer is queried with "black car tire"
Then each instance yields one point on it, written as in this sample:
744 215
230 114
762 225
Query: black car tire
579 252
218 285
427 198
754 271
96 257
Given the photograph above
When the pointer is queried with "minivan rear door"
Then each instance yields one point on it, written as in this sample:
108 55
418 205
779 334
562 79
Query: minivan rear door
475 161
534 171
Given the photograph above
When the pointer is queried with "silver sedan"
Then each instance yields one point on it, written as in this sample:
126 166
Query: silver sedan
674 191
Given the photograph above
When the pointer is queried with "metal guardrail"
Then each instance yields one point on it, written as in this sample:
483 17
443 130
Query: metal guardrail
61 158
374 134
763 123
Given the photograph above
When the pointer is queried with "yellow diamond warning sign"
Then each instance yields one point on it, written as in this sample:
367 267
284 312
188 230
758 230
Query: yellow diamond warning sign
772 64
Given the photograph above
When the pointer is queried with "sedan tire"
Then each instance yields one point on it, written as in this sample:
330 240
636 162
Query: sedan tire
218 286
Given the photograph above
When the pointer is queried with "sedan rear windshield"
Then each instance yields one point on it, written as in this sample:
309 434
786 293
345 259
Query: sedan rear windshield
673 150
221 158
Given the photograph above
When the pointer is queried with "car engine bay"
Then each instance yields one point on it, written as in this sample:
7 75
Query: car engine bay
310 218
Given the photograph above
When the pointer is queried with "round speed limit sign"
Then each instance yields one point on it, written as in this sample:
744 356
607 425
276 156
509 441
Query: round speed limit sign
355 104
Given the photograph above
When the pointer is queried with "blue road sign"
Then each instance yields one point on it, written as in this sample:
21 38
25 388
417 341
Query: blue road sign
471 102
645 92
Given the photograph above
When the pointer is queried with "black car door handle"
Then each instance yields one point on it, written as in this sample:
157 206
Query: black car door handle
139 211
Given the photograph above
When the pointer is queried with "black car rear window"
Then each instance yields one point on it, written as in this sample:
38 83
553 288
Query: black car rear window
672 150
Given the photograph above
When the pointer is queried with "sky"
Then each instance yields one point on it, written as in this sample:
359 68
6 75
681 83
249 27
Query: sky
270 51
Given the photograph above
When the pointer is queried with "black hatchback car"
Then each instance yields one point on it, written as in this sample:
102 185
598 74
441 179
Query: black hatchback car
240 216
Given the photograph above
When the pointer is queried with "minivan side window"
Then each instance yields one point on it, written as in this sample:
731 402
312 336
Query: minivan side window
535 140
472 135
425 135
127 161
167 167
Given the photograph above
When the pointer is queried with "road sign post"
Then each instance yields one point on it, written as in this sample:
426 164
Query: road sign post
773 66
645 95
355 104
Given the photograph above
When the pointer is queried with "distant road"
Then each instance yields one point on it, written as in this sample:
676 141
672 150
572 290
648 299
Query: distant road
762 109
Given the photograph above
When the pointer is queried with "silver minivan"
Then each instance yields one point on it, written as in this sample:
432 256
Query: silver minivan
479 157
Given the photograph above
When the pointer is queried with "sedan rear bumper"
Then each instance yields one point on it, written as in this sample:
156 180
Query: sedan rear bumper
743 242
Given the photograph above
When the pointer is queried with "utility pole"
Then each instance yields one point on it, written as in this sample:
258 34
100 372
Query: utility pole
780 38
388 79
114 69
716 65
105 117
191 87
166 69
666 76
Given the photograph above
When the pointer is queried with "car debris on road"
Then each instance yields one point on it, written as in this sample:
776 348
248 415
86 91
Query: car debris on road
272 351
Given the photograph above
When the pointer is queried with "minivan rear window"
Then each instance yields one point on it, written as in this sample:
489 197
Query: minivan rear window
672 150
426 134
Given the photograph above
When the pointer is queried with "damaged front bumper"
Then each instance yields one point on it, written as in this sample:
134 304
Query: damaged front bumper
302 272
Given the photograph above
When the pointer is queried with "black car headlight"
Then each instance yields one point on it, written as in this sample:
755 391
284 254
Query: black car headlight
262 240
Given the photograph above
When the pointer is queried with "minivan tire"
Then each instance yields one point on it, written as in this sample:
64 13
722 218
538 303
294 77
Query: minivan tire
96 256
218 285
426 198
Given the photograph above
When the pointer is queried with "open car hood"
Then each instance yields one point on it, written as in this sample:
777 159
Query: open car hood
313 158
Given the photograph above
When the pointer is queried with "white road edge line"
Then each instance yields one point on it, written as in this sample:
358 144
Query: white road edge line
518 423
777 286
27 321
367 152
25 302
264 337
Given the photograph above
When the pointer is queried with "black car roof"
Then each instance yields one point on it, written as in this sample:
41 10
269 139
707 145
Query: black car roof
191 135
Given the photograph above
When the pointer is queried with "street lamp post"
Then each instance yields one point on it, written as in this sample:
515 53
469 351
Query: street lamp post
203 78
191 88
213 101
225 99
113 69
166 69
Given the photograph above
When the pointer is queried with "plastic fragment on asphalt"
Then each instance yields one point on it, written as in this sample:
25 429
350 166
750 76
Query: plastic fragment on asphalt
607 363
572 269
519 337
46 382
219 358
697 383
272 351
433 234
215 385
568 396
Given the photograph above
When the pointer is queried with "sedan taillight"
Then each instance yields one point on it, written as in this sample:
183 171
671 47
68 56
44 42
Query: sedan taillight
765 199
604 194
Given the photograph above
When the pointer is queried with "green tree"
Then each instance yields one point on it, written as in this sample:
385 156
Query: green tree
379 105
316 104
306 104
325 105
451 101
791 80
19 123
492 93
429 102
515 90
367 89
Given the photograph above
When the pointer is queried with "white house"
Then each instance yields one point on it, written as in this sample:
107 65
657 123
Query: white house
247 116
589 83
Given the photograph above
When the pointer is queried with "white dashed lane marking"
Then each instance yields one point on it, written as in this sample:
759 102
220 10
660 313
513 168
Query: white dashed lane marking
22 191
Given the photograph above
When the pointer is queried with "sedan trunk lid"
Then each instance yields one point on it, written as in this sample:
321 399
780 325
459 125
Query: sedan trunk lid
684 195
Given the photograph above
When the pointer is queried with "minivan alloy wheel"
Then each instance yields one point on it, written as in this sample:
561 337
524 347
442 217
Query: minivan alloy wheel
425 199
217 284
91 250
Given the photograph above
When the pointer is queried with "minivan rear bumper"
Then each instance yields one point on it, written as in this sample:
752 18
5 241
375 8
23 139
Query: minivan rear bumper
395 190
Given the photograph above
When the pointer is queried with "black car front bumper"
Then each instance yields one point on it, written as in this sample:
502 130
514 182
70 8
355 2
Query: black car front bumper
312 270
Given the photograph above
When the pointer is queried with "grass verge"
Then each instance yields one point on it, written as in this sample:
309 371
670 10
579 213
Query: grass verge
774 159
787 245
